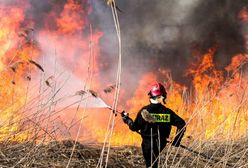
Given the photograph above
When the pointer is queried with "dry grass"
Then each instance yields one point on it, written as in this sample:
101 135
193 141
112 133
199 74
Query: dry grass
56 154
39 126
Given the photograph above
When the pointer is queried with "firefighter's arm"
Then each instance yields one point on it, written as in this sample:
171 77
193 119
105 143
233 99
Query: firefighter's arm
126 119
181 128
133 125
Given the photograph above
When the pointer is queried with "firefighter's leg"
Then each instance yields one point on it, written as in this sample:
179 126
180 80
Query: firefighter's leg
155 155
148 150
158 148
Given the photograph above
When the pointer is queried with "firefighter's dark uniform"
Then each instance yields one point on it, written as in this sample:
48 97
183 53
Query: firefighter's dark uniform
154 135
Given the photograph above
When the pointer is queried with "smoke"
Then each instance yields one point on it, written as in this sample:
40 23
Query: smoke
64 43
161 34
155 34
217 22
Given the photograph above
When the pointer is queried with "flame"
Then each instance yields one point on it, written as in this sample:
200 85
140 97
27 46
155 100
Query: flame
243 14
21 48
72 19
16 51
73 37
214 109
215 106
206 78
9 25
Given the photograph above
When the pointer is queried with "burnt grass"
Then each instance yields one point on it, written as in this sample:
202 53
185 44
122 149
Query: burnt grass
56 154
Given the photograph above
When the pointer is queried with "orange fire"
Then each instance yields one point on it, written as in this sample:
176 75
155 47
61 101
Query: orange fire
21 47
17 54
72 18
215 107
243 15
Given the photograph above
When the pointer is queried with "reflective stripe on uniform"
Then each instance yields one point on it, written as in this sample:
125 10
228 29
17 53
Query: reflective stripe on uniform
161 117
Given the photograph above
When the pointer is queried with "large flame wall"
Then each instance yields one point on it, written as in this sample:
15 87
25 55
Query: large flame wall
37 38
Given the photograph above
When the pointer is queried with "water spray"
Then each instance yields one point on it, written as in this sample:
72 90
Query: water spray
105 105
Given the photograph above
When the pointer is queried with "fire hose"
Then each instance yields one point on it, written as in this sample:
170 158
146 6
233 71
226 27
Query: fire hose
202 154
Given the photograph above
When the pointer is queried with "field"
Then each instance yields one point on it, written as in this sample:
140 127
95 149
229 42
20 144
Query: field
56 154
67 71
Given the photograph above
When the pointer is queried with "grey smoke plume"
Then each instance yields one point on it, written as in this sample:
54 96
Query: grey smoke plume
159 34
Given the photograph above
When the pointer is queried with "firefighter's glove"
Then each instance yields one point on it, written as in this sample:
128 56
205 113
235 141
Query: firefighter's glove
125 117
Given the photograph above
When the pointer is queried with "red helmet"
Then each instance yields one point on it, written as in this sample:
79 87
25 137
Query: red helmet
157 89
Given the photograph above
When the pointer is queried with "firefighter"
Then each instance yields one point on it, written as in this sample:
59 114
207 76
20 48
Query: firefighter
154 123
